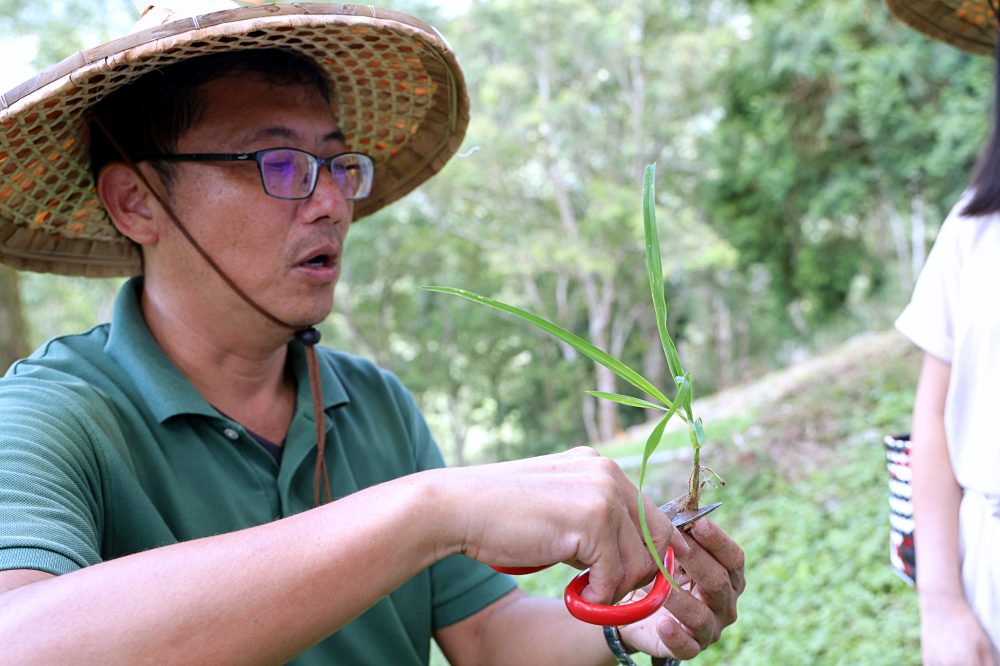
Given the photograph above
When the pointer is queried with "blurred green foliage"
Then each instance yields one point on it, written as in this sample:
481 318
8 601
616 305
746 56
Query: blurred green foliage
807 499
65 26
794 140
56 305
834 116
811 512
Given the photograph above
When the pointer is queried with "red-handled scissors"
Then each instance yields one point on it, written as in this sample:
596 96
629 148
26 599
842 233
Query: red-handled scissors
613 616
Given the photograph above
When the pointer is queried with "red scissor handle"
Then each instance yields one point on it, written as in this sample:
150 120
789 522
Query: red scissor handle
519 571
613 616
600 614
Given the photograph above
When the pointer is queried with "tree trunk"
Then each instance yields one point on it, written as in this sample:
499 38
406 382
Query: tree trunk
918 251
459 430
898 233
13 331
723 325
607 411
654 364
589 418
598 300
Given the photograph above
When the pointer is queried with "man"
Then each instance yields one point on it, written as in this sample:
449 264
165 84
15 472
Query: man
165 490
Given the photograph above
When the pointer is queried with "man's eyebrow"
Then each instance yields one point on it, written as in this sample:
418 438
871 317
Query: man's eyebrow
335 135
280 132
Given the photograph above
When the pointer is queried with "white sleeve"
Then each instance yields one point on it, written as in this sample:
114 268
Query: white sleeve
928 321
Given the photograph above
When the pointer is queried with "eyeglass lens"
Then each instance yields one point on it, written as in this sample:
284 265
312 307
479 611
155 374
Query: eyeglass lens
292 174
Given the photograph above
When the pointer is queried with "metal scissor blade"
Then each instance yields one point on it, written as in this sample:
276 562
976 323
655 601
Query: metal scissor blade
685 518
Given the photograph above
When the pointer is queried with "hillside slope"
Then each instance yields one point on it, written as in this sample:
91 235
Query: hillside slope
771 388
807 498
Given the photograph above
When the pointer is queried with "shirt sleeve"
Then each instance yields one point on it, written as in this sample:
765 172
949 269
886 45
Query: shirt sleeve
928 320
49 480
460 585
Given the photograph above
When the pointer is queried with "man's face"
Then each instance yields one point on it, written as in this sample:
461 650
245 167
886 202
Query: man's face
284 254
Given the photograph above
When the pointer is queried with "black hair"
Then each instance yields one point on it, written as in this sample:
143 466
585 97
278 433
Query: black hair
148 116
986 176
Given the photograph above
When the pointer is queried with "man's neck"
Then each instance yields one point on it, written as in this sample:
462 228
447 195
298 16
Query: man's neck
241 374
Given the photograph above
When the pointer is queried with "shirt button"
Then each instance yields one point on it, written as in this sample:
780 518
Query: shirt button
231 434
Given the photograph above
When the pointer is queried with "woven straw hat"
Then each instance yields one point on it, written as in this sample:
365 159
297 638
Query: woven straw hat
398 95
969 25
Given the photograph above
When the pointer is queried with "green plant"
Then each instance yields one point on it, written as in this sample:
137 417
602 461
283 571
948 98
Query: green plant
681 402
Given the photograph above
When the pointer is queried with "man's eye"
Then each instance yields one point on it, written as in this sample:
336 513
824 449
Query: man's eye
280 166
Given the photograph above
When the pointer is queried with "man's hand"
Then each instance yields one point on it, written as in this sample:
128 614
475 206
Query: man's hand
694 616
578 507
950 635
575 507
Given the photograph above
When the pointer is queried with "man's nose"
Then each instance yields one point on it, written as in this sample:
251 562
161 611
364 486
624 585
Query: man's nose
328 199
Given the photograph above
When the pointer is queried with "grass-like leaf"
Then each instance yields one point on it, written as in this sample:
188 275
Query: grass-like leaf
628 400
654 267
680 405
684 388
699 432
587 349
651 443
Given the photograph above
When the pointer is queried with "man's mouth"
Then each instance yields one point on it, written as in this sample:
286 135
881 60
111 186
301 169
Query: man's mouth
320 261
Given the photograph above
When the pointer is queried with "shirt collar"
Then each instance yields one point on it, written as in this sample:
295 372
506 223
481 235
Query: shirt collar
334 393
162 385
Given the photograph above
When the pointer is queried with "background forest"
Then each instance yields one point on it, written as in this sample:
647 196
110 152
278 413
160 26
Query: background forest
807 152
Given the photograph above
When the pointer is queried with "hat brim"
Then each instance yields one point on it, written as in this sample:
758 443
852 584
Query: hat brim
398 95
968 25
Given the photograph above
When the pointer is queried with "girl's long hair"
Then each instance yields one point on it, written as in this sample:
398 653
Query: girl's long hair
986 176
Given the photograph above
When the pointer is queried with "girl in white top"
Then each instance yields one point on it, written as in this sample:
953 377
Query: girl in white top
954 317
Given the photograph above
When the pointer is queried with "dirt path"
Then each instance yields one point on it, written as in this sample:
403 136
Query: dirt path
775 386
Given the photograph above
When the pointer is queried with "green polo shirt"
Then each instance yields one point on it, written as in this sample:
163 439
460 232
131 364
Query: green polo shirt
106 449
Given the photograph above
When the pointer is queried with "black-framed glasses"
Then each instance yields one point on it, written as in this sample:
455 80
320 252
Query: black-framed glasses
289 173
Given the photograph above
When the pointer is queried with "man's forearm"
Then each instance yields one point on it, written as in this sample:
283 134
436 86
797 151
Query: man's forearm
526 630
548 634
266 593
261 595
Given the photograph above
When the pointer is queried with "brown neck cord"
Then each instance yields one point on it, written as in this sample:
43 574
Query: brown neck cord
308 336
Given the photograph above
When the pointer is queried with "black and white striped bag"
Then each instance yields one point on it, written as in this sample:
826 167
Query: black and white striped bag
902 556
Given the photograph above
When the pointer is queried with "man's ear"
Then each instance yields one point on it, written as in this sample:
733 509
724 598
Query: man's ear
128 202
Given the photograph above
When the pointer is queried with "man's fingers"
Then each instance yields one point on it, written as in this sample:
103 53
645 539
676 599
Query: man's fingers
622 568
710 577
605 577
698 619
723 549
637 566
682 645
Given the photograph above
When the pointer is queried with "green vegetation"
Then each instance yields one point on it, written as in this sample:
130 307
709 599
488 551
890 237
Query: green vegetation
718 431
807 500
680 402
807 152
810 509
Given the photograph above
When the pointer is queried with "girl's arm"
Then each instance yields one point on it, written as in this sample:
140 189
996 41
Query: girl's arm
950 633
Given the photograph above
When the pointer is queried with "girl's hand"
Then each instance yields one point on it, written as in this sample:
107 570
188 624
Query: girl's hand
950 635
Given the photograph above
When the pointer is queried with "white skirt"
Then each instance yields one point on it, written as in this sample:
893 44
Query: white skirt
979 543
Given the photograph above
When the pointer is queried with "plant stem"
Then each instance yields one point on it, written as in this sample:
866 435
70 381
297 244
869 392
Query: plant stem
694 483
